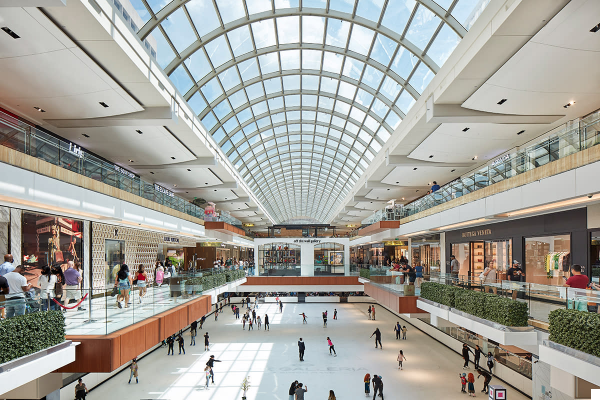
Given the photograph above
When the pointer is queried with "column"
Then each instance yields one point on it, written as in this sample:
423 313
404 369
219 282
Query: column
347 259
256 266
409 255
16 236
307 259
443 252
87 254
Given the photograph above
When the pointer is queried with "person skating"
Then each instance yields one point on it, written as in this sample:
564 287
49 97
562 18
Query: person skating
377 386
331 347
267 323
193 333
471 384
250 325
397 329
490 361
325 319
301 348
171 343
400 359
404 330
369 311
463 382
211 363
254 316
181 343
377 334
367 380
373 313
243 302
486 379
216 314
206 342
133 370
258 322
207 374
300 391
292 391
477 356
244 322
465 353
280 306
303 318
335 313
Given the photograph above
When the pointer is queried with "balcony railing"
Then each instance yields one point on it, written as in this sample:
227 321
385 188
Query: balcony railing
567 141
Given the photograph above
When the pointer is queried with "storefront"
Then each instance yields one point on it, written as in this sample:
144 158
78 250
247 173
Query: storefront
546 245
279 259
426 252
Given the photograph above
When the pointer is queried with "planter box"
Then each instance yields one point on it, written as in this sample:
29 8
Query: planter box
433 308
574 362
515 336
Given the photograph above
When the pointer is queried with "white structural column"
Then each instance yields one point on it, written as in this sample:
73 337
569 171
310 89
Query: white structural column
307 259
443 252
409 255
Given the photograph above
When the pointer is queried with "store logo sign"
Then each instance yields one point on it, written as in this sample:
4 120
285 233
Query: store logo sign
162 190
307 240
501 160
123 171
480 232
74 149
171 239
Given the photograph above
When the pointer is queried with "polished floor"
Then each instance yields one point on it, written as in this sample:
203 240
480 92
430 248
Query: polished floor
270 359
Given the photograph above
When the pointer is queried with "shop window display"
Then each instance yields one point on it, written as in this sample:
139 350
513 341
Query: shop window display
548 259
595 256
50 240
279 259
329 258
115 256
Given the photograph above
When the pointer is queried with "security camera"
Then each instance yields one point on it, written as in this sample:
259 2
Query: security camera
590 196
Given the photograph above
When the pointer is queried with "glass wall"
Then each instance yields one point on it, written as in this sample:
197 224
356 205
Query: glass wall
426 251
548 259
329 259
475 256
462 252
114 256
279 259
595 256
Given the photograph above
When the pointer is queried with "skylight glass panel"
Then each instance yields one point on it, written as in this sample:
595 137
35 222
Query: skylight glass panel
404 62
364 98
347 90
265 121
405 102
390 88
278 118
361 39
229 78
181 80
372 77
197 103
231 10
443 45
260 108
383 50
255 91
380 108
291 82
250 128
286 3
290 59
383 134
230 125
248 69
264 33
332 62
353 68
393 120
421 78
346 6
325 102
322 117
272 85
312 28
276 103
337 33
375 146
467 11
240 41
292 101
370 9
311 59
164 53
203 16
422 27
269 63
244 115
222 109
288 29
218 135
257 6
357 114
397 14
310 82
218 51
237 99
350 127
212 90
156 5
209 121
364 136
179 30
341 107
292 116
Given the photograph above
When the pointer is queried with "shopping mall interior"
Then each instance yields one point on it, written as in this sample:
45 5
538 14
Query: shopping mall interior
331 176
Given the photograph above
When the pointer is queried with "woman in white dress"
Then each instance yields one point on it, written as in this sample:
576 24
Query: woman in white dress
46 281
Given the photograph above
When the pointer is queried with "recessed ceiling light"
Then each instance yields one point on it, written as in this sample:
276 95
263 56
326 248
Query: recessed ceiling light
520 132
130 160
172 158
206 183
226 199
138 131
501 102
103 104
174 185
85 135
403 198
39 109
466 129
152 172
415 168
428 183
593 30
215 190
474 158
388 189
417 190
189 170
10 32
431 156
569 104
453 170
371 202
397 182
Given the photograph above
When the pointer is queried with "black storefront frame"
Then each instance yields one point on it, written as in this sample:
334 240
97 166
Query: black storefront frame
571 222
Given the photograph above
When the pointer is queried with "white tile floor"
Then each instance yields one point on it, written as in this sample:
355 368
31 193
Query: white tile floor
271 360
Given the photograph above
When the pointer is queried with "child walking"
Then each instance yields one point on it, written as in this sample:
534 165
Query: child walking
400 359
471 381
463 382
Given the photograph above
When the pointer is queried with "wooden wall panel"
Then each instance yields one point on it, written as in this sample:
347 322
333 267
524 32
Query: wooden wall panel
302 280
408 304
151 333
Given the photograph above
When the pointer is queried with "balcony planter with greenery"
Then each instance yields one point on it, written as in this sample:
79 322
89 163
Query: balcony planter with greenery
365 273
505 311
30 333
579 330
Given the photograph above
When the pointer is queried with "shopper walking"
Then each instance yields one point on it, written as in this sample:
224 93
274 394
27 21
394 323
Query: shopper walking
133 368
331 347
398 330
377 386
377 334
202 321
46 282
292 391
477 356
160 273
404 330
206 342
80 390
454 268
73 280
325 319
400 359
193 332
207 375
471 384
142 278
181 344
465 353
123 282
486 379
335 313
301 348
211 363
367 381
267 323
490 361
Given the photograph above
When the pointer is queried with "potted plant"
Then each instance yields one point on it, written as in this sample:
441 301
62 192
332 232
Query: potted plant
245 386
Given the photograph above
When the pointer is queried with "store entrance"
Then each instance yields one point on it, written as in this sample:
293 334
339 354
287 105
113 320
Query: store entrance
475 256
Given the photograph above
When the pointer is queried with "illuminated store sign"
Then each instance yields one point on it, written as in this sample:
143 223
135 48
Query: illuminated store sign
123 171
501 160
162 190
76 150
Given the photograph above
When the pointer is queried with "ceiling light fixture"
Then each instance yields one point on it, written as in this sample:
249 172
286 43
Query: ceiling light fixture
520 132
466 129
85 135
189 170
10 32
397 182
593 30
403 198
388 189
172 158
215 190
431 156
501 102
453 170
130 160
39 109
103 104
174 185
569 104
138 131
152 172
415 168
474 158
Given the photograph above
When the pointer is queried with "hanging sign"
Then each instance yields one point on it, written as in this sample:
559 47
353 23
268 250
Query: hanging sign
162 190
501 160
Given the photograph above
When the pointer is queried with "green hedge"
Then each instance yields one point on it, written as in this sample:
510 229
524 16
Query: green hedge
488 306
207 282
579 330
365 273
30 333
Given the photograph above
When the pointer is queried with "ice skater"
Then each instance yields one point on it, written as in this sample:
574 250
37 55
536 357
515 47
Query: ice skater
267 323
301 348
377 334
325 319
303 318
258 322
331 347
369 311
171 343
400 359
206 342
211 363
335 313
193 333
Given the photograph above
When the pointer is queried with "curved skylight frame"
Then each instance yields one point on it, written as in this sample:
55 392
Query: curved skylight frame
365 18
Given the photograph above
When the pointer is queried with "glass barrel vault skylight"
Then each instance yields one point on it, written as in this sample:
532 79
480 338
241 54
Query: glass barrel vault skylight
302 94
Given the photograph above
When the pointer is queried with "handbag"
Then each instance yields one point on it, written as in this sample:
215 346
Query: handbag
114 292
